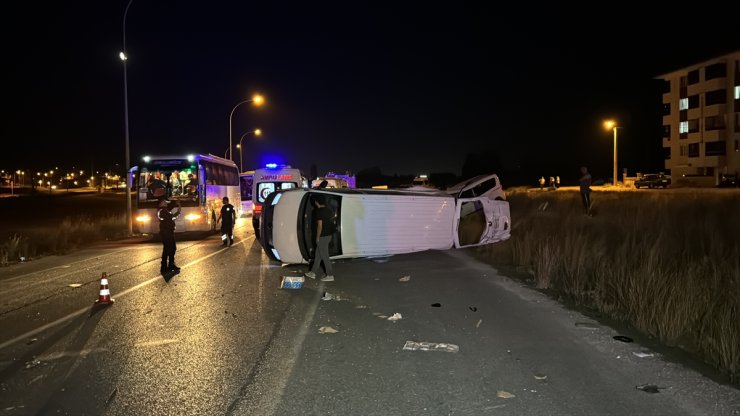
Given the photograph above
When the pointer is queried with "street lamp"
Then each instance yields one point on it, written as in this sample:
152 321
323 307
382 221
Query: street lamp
258 100
123 57
257 132
612 125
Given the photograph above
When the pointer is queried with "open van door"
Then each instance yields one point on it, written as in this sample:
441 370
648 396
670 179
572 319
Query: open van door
479 186
480 221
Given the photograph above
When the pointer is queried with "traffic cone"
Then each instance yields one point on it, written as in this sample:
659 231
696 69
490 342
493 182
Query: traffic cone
104 297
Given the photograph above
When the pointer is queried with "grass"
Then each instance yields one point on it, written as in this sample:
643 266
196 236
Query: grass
666 263
71 233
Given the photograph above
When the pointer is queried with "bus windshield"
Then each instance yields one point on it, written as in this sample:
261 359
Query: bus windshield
172 179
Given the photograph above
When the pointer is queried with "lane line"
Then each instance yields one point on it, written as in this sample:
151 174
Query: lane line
79 312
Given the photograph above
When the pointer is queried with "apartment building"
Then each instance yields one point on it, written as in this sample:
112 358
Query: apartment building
701 120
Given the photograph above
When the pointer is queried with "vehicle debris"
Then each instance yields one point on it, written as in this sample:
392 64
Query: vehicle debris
405 278
395 317
327 330
430 346
504 394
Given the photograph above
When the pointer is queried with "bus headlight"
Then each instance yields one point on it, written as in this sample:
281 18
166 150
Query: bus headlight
192 217
143 218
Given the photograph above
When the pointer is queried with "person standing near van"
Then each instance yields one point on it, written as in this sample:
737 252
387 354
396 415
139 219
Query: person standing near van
323 225
167 233
585 183
227 218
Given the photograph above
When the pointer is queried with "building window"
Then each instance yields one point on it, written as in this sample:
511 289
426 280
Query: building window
666 86
694 150
718 70
694 101
667 109
694 77
714 149
714 122
666 152
694 125
737 92
667 131
683 127
715 97
737 145
684 82
683 104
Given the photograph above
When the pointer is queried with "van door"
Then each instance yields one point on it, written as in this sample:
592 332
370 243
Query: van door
480 221
483 185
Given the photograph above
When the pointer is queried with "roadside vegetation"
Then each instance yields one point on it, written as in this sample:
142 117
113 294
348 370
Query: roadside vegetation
667 264
70 234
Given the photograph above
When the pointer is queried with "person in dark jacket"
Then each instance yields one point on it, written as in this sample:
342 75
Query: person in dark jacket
323 227
167 219
227 218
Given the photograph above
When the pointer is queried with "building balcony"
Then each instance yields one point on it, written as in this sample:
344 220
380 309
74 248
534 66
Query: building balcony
714 84
714 135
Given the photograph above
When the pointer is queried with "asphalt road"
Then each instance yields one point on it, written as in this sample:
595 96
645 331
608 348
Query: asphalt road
221 337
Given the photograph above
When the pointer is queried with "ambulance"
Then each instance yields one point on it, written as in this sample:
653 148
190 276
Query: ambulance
271 178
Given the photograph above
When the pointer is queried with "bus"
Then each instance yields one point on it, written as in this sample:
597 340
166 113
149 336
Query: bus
245 183
199 182
269 179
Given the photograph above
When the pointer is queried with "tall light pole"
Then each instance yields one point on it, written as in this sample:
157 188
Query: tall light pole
258 100
612 125
123 57
257 132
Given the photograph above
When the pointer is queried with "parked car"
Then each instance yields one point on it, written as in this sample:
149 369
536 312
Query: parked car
375 222
653 180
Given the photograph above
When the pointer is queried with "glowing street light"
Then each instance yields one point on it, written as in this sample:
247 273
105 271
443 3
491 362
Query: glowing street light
612 125
258 100
257 132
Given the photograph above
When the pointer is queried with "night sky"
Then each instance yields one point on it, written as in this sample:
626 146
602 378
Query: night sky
408 89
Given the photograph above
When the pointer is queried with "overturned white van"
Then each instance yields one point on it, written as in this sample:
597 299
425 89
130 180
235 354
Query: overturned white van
373 222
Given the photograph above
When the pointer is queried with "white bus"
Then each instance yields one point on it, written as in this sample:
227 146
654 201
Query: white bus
199 182
269 179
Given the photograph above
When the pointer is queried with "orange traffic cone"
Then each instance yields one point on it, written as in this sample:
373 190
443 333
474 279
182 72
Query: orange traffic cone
104 298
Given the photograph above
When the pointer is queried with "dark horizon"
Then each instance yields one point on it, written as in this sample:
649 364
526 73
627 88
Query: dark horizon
405 89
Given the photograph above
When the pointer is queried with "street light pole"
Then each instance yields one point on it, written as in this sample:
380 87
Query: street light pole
258 100
612 125
129 219
257 132
615 155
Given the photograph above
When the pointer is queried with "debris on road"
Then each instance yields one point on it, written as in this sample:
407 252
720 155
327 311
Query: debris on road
436 305
329 296
473 308
649 388
504 394
622 338
540 377
75 285
643 354
480 321
327 330
292 282
405 278
430 346
396 316
586 325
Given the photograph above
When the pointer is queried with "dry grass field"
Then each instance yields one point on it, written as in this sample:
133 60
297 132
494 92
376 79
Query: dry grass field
666 262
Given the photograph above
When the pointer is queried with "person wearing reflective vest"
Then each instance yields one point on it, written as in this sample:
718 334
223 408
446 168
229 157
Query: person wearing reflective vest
167 219
227 218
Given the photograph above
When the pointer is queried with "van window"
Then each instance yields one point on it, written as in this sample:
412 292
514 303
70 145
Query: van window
480 189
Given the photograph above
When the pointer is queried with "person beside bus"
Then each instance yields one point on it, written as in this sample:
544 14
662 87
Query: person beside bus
227 218
167 232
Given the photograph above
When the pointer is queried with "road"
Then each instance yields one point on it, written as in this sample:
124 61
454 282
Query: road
222 338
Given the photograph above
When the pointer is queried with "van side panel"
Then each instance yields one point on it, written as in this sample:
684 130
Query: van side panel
390 224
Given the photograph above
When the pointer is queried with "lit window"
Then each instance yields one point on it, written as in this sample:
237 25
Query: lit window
683 127
683 104
737 92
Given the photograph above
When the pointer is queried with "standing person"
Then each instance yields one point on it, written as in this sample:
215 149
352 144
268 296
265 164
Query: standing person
585 183
557 182
323 224
167 232
227 218
542 182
